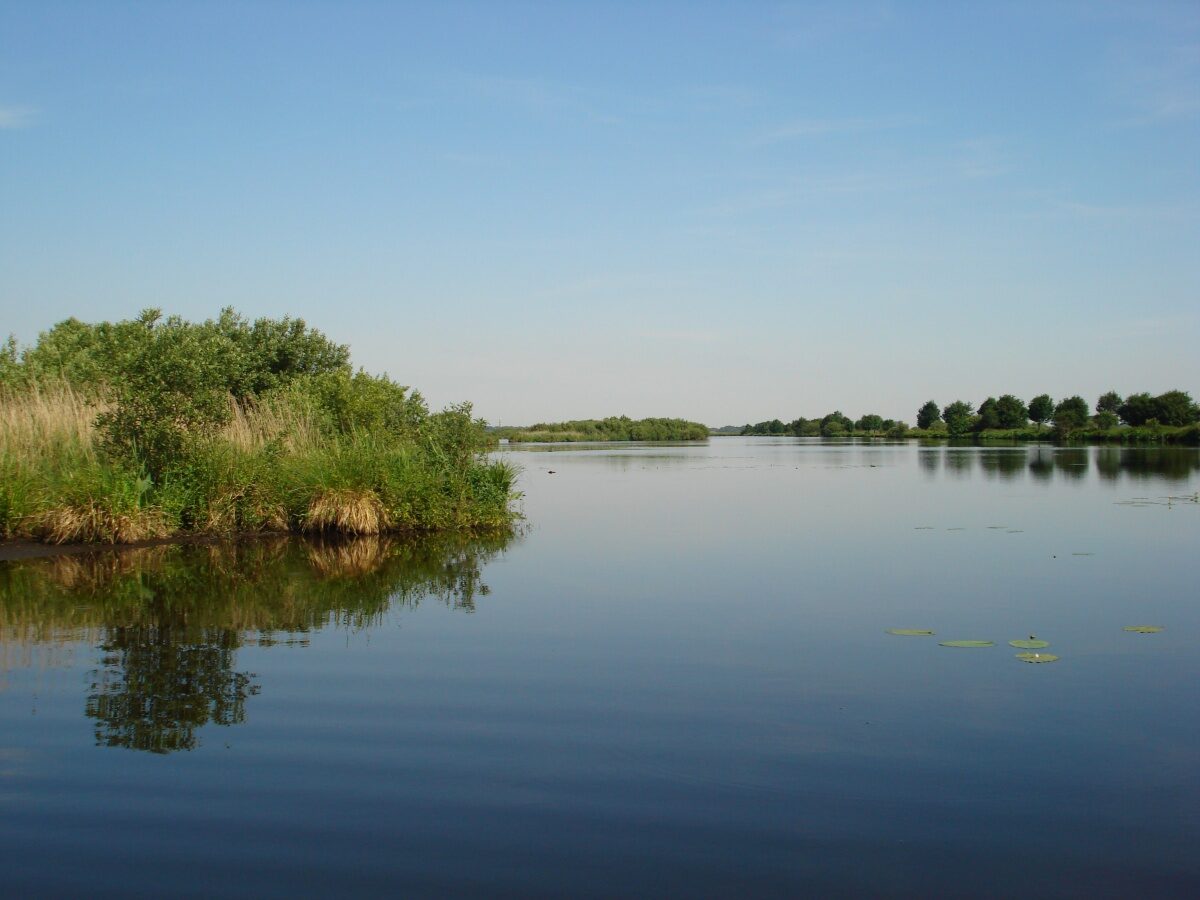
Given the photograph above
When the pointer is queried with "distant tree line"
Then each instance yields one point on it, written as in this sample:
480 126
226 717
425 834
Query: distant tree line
1174 409
613 428
834 424
1139 416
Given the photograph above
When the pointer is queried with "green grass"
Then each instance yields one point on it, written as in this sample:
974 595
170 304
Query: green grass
272 467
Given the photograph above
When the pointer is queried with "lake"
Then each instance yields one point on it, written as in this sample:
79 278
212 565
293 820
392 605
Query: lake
676 680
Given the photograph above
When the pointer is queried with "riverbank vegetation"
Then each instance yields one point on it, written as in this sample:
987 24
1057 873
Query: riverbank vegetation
614 428
127 431
1170 417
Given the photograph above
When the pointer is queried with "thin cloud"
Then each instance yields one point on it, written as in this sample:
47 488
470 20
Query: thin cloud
13 117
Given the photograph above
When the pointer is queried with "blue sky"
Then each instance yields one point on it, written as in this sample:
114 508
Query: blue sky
724 211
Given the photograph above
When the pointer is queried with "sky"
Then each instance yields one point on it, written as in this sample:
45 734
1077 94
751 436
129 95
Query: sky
727 212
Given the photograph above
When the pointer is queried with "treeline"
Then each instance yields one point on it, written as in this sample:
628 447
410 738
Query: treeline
1172 415
1139 418
614 428
123 431
834 424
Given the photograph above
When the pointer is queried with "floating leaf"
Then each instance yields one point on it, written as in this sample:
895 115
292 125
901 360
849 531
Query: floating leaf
909 632
1031 644
1083 554
1037 657
968 644
1144 629
1016 531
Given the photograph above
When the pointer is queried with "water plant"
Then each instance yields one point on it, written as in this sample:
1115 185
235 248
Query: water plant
967 644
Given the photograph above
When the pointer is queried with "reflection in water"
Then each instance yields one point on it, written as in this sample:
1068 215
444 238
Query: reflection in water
1044 461
159 684
168 620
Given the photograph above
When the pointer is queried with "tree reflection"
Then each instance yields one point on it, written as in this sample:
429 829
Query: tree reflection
160 684
168 621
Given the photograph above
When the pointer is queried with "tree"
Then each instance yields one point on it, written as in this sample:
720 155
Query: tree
10 361
869 422
1175 408
1109 402
1012 412
958 418
1070 414
835 424
1137 409
989 414
1041 408
928 414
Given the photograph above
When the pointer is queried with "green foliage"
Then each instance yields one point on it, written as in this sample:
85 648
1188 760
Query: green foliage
1109 402
272 352
342 403
869 422
613 428
928 414
1012 413
228 426
835 424
1176 408
958 417
989 414
1070 414
1105 420
172 389
1041 408
11 370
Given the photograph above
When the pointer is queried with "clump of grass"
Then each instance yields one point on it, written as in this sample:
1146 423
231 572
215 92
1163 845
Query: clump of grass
347 512
96 523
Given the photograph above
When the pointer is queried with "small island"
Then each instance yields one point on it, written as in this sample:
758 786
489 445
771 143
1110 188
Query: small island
614 428
121 432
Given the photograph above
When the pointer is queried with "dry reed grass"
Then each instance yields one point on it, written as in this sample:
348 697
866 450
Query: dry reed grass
47 416
347 511
90 522
255 423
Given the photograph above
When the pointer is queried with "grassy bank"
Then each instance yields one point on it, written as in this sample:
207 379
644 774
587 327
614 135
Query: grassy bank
158 440
614 428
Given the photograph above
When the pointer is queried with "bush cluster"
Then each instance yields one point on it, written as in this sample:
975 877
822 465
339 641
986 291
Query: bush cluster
124 431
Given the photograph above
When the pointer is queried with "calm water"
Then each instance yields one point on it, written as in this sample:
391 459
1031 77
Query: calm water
676 682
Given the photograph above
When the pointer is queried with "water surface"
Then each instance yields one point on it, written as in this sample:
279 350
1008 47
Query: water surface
676 681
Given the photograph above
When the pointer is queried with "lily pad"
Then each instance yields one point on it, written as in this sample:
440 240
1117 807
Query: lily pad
1031 644
1037 657
910 632
968 644
1144 629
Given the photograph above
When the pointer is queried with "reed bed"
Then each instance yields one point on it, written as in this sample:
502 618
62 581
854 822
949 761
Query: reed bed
274 465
